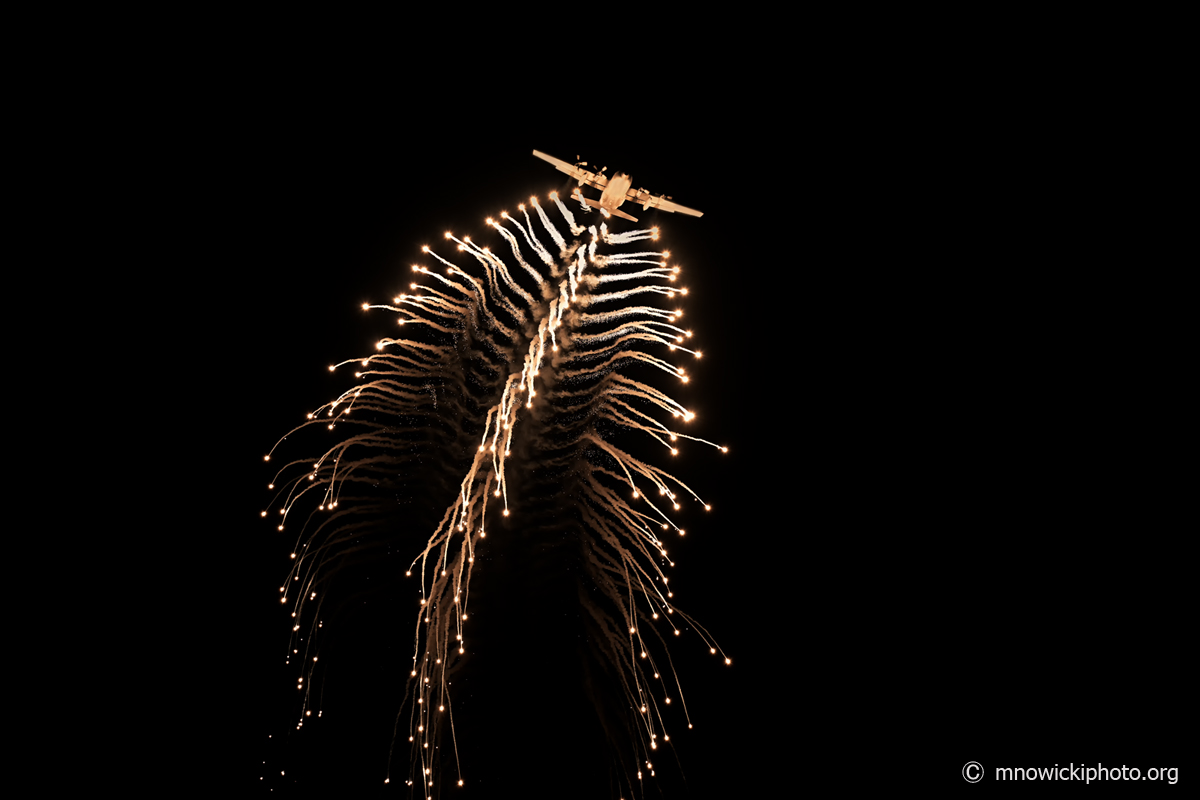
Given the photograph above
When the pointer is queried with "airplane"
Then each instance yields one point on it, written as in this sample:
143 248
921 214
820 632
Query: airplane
615 190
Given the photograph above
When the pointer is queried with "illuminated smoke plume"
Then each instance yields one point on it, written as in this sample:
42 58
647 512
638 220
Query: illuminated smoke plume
510 403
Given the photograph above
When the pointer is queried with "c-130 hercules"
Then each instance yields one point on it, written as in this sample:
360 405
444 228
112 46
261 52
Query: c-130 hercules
614 191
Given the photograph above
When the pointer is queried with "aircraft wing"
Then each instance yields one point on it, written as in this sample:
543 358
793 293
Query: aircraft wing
667 205
651 201
579 174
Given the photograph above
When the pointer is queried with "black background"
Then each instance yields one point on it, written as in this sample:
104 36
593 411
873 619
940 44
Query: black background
931 540
343 198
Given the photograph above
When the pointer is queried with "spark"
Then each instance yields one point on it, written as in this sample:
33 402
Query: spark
558 332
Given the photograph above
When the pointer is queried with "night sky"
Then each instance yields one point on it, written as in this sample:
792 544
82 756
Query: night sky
336 214
905 559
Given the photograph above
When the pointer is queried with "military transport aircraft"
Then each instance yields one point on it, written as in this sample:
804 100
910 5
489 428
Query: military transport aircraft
614 191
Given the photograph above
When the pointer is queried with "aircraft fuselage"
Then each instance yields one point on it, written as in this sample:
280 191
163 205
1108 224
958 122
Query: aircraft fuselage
614 193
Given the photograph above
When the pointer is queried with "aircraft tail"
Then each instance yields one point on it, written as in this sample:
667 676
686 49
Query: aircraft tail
614 211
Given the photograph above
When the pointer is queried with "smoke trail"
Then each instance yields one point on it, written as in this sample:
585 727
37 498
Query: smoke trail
509 407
